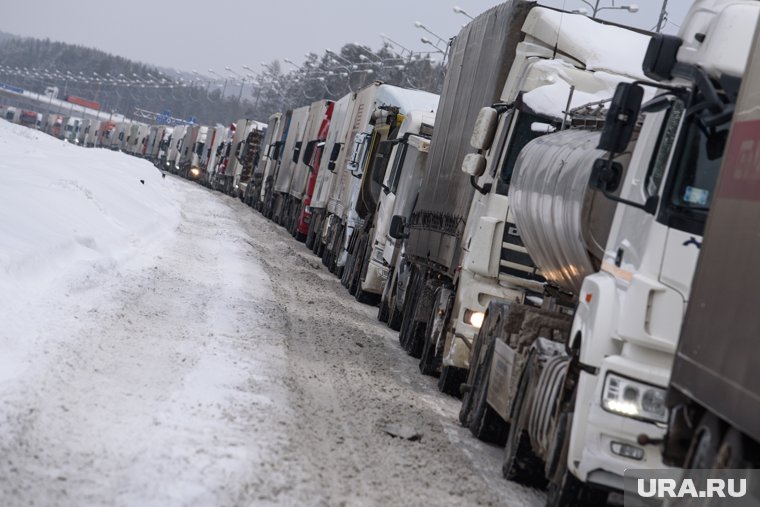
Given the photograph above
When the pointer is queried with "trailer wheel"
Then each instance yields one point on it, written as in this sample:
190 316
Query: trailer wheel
571 492
704 444
520 462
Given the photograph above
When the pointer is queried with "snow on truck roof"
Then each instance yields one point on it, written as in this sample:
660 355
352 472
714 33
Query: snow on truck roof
596 45
609 55
406 100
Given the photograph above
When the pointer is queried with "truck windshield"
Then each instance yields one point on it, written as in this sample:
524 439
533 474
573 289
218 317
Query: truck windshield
700 157
408 156
521 135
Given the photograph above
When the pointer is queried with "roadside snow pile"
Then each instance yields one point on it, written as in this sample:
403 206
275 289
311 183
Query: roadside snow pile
63 207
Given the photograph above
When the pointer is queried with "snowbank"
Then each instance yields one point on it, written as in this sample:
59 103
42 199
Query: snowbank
62 206
66 214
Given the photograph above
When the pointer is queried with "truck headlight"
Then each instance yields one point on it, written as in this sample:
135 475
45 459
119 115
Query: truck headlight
474 318
634 399
195 171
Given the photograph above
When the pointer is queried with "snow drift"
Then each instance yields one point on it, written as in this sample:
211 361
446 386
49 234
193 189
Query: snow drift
62 206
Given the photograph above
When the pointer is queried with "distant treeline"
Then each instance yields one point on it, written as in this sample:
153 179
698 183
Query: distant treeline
35 64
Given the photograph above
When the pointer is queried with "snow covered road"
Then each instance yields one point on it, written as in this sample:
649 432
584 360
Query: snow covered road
220 364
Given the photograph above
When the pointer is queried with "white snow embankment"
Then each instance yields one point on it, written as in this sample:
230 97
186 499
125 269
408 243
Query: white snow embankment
62 205
66 211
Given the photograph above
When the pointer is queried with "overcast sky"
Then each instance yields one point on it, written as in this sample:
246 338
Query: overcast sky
203 34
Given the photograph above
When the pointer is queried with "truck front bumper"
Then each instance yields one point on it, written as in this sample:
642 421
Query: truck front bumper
603 445
474 293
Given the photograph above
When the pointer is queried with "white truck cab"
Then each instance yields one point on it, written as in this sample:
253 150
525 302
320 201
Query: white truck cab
629 316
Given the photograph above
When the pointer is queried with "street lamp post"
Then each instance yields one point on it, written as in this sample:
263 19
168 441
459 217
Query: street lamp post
595 9
224 89
461 11
391 41
425 40
663 16
423 27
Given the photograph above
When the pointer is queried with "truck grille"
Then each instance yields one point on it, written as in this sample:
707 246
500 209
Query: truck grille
515 260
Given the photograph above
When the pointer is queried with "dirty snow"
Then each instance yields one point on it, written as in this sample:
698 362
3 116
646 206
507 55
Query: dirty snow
164 345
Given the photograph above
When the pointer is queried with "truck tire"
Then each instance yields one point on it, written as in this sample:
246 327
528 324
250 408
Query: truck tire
484 422
382 311
362 296
704 444
311 235
410 302
423 308
469 389
731 454
520 462
429 363
356 266
451 380
571 492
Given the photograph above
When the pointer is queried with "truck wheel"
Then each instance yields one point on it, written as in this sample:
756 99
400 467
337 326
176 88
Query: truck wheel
382 311
474 374
356 272
309 241
408 324
484 422
520 462
451 379
429 363
571 492
704 445
394 317
731 452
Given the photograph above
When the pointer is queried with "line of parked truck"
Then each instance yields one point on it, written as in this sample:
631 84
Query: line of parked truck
533 233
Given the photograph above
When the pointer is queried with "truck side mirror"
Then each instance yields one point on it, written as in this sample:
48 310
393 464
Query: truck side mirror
297 151
621 118
484 129
308 152
398 224
660 57
474 164
606 175
334 154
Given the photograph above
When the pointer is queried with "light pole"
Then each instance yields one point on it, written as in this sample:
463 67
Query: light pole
632 8
391 41
367 51
423 27
425 40
336 55
291 62
224 89
461 11
663 16
242 82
